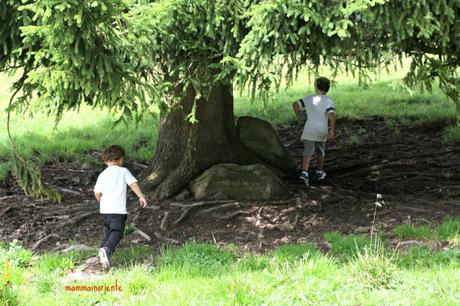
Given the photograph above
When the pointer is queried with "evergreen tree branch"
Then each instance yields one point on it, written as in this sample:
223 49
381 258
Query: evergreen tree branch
28 176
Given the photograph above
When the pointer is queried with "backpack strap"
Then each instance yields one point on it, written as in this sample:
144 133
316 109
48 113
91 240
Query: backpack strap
301 103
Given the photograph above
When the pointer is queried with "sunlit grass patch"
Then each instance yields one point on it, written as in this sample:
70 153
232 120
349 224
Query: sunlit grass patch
346 245
298 274
16 255
373 267
418 257
54 263
449 231
130 256
250 263
8 295
292 252
136 279
411 231
194 260
452 134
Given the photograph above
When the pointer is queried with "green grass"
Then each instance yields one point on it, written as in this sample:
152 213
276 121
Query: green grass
80 133
347 246
449 231
374 268
203 274
423 257
355 271
452 134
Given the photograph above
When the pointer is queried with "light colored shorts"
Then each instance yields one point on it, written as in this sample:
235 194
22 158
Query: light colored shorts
310 147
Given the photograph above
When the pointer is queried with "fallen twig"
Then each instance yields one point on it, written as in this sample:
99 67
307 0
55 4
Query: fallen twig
165 239
416 209
214 238
139 165
258 216
281 202
65 190
78 170
75 247
296 219
7 197
5 210
143 234
164 222
403 243
59 217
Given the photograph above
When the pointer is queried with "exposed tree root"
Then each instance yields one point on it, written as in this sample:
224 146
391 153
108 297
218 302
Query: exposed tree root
222 206
39 242
198 204
183 215
233 214
77 219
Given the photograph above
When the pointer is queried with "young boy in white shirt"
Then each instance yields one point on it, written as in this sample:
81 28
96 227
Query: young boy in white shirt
319 110
110 192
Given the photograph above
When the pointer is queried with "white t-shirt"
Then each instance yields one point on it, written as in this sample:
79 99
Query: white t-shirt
317 108
112 184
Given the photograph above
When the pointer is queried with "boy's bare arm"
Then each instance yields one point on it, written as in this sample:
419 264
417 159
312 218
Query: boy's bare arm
137 190
295 107
331 125
98 196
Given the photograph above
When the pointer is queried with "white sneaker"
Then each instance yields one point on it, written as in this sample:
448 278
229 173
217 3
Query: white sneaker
304 178
320 175
103 258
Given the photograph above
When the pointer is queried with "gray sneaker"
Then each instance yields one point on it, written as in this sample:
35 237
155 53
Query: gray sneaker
304 178
104 258
320 175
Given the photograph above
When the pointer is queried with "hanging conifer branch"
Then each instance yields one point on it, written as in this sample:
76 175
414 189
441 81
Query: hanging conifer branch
28 175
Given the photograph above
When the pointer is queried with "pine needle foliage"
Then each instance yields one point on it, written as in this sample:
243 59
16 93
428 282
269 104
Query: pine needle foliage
125 55
29 178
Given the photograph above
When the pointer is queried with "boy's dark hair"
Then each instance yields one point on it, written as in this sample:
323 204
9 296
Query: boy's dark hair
113 153
322 84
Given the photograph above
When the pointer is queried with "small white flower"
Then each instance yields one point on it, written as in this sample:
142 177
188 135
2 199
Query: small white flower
380 202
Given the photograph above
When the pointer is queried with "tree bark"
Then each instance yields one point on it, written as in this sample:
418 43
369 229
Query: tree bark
185 150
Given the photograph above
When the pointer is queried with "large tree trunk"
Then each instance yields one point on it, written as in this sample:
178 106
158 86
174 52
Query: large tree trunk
185 150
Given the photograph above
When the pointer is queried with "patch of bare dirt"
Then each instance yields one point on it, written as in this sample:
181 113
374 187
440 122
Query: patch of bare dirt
417 175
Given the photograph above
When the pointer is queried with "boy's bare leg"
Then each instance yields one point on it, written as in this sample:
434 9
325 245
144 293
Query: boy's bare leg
320 162
306 162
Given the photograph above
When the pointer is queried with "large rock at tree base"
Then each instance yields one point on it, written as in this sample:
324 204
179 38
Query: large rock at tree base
236 182
261 138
